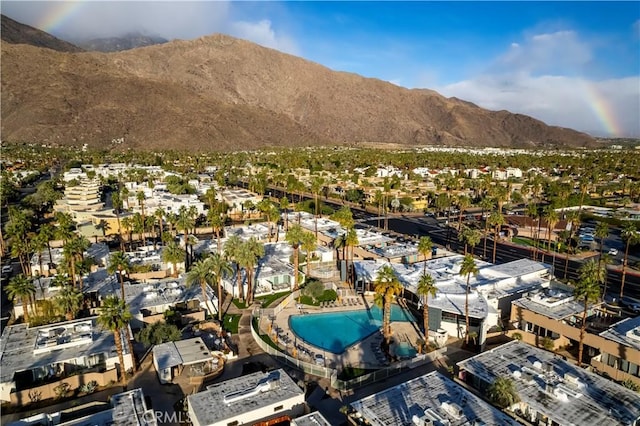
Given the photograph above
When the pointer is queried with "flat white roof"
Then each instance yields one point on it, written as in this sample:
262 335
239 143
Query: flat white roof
565 393
242 395
430 397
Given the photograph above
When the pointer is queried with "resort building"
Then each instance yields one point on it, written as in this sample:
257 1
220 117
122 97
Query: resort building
171 358
311 419
432 399
37 359
552 391
249 399
492 290
551 318
84 197
125 409
620 355
237 199
273 274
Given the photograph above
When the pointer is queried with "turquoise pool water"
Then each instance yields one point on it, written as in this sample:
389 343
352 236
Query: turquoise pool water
405 350
335 331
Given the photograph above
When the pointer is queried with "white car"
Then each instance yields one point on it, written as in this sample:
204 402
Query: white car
613 252
7 269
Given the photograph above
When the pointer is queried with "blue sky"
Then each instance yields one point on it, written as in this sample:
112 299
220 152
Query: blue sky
573 64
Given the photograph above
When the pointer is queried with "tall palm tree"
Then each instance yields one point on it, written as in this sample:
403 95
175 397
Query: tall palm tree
426 287
552 218
232 254
632 237
467 269
141 197
294 237
470 237
316 187
463 203
116 201
273 216
573 217
284 205
351 240
486 204
73 252
251 251
21 287
159 214
119 262
69 299
115 316
185 223
308 244
587 290
127 226
217 225
602 232
532 214
174 254
200 274
386 287
424 248
496 220
220 268
47 233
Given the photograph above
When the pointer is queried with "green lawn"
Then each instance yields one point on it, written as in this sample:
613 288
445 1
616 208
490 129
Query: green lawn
230 322
270 298
239 304
349 373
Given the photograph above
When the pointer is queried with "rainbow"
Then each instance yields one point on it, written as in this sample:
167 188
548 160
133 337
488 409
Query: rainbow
602 109
58 14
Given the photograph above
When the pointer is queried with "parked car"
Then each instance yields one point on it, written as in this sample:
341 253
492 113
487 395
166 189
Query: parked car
613 251
7 269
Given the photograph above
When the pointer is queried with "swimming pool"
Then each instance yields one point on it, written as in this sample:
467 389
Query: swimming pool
336 331
405 350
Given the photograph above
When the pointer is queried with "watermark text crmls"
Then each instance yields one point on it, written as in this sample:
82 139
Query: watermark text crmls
166 417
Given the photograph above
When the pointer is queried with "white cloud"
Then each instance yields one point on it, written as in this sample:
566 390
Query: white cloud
544 77
262 32
78 21
591 106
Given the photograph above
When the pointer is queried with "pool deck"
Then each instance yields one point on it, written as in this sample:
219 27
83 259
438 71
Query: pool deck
361 354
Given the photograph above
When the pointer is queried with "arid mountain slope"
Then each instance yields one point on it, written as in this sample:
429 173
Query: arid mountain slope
218 92
17 33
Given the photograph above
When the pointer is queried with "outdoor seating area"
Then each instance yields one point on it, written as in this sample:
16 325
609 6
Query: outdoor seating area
345 301
376 348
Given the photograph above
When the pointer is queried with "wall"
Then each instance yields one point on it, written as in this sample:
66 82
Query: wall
47 391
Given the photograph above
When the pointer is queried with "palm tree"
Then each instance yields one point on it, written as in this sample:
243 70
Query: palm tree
351 240
140 197
467 268
602 232
308 244
502 392
69 299
220 268
532 214
552 218
573 217
21 287
486 204
232 253
250 252
284 205
185 223
316 187
463 203
116 201
426 287
217 225
73 251
587 290
496 220
424 248
173 253
200 273
294 237
273 216
632 237
386 287
127 226
119 262
470 237
115 316
159 214
47 233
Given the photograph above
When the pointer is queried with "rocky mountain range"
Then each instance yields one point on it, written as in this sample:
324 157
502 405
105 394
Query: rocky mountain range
222 93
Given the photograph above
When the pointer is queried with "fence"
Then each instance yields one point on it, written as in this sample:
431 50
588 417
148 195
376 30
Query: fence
309 368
